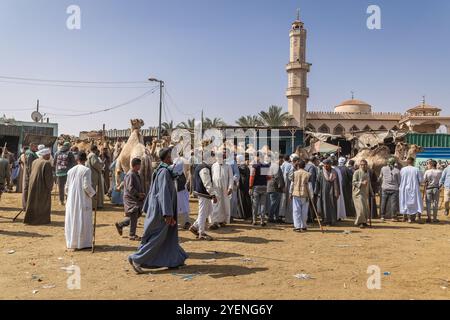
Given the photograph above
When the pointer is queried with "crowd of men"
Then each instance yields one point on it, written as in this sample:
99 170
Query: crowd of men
287 190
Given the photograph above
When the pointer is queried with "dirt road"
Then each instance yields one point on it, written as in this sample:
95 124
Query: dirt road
244 262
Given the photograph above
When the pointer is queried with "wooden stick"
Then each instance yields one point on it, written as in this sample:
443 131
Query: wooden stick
15 218
315 212
95 221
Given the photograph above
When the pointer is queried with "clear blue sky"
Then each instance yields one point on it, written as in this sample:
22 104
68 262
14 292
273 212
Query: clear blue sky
225 56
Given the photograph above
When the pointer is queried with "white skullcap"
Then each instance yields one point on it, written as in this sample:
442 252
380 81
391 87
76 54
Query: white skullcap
294 156
342 161
178 167
240 158
41 147
44 152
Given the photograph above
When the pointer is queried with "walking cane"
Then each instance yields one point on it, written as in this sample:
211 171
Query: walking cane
315 212
95 221
15 218
371 210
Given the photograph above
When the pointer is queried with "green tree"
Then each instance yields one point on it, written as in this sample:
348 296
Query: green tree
213 123
275 117
249 121
189 124
167 127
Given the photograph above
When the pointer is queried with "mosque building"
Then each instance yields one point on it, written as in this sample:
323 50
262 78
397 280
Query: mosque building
351 115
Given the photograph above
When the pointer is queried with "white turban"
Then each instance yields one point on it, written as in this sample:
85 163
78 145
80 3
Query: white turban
240 158
41 147
44 152
342 161
178 167
294 156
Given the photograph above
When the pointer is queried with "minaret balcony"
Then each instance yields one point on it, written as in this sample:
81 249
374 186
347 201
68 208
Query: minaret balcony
297 91
298 66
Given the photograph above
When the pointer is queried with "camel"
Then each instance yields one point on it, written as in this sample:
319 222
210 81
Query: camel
378 157
135 148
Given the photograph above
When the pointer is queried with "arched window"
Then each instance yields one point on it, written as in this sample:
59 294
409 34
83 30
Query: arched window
324 129
367 128
354 128
310 127
382 128
339 130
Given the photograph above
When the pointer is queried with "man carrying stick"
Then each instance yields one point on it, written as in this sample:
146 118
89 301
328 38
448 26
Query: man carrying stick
299 194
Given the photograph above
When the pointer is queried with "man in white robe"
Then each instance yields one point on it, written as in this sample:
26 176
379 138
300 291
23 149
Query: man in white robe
223 181
410 197
79 190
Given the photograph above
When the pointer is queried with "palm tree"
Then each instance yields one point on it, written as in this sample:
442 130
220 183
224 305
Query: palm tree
190 124
213 123
249 121
275 117
167 127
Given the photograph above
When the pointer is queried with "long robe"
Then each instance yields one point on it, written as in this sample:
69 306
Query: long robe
244 199
328 194
39 201
346 189
341 210
106 159
96 165
159 246
285 204
116 196
29 158
78 221
361 196
410 198
234 195
222 179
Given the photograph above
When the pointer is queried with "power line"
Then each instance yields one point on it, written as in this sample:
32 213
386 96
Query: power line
107 109
69 86
72 81
176 106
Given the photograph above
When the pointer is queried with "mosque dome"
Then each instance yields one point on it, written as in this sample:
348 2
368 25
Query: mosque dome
353 106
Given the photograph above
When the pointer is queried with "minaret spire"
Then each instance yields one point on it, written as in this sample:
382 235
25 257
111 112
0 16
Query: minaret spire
298 14
353 94
423 101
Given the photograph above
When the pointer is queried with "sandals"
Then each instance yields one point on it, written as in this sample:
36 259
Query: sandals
213 227
194 230
119 229
135 238
205 237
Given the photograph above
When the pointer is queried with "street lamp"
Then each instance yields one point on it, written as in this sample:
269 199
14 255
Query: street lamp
161 85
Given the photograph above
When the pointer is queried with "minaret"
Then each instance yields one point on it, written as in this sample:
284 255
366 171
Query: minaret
297 69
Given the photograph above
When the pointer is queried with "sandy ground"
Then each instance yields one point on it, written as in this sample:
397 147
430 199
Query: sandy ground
244 262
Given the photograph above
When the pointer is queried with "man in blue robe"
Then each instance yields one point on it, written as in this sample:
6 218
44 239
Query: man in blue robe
160 247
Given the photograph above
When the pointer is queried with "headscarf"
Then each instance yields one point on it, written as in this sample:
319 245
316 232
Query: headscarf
294 156
44 152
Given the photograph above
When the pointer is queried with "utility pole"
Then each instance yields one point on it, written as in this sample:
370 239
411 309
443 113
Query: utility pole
161 85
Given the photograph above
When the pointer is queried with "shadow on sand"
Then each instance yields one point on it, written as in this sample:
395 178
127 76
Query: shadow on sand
214 271
23 234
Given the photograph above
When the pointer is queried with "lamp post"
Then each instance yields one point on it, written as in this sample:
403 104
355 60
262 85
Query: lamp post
161 85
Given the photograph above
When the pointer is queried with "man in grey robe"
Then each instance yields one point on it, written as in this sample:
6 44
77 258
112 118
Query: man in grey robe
346 185
133 200
160 247
96 165
30 156
328 191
